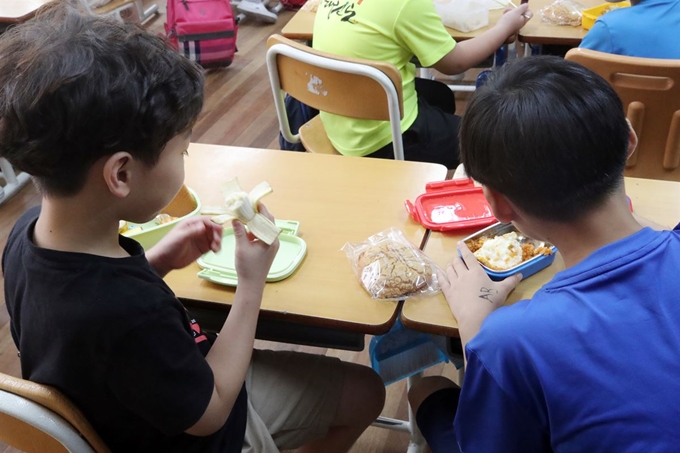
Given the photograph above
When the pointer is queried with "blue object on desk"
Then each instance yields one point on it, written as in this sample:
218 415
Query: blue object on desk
526 268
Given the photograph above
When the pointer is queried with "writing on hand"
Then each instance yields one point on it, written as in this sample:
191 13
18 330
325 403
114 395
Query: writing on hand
486 293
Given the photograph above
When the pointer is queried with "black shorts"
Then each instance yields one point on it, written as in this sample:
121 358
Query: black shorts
433 136
435 420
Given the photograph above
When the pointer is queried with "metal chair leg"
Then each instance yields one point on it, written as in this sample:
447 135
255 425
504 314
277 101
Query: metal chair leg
417 443
13 181
144 15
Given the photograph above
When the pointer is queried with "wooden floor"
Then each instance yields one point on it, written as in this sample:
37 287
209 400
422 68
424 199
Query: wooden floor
238 111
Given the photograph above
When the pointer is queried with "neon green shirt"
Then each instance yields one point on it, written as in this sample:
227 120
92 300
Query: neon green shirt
382 30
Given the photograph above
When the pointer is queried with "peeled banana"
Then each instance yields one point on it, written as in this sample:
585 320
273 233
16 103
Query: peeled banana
242 206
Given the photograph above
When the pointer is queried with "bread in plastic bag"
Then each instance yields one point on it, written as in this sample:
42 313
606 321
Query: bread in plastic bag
389 267
562 12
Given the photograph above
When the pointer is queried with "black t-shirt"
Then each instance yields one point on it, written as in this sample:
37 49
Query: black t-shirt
111 335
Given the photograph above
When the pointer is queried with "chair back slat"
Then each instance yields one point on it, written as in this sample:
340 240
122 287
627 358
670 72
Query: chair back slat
26 437
650 92
55 401
332 90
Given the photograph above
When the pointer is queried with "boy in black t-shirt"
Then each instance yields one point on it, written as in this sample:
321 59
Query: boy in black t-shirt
100 114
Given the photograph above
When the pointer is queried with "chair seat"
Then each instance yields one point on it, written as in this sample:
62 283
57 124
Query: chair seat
314 138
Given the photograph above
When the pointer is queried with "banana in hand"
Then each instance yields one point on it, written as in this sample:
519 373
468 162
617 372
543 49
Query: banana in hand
242 206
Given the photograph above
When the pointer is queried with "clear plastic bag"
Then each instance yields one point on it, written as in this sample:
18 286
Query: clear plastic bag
391 268
562 12
463 15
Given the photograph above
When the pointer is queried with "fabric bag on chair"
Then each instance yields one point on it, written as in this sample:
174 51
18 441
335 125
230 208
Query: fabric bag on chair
298 114
202 30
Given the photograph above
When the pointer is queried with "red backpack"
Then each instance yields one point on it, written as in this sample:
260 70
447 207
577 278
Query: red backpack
202 30
293 4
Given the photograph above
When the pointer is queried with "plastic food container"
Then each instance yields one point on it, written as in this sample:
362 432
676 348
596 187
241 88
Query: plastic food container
590 15
463 15
220 267
148 234
451 205
526 268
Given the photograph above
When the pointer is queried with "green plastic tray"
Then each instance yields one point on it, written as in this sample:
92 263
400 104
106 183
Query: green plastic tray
220 267
152 232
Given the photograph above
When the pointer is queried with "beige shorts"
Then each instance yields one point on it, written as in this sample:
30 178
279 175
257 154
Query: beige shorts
292 399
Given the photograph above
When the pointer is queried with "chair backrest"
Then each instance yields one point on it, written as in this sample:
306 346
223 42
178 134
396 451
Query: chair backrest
39 418
650 92
344 86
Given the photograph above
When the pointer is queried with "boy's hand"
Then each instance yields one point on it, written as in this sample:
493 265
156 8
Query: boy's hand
190 239
253 257
514 19
469 291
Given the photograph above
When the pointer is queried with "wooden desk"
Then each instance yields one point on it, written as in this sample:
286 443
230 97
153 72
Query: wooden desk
301 26
538 32
655 200
13 11
336 199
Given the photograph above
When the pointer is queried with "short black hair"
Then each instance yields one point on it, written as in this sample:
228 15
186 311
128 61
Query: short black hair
75 88
548 134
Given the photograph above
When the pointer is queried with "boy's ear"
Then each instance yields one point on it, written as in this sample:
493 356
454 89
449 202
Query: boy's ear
501 207
632 139
117 173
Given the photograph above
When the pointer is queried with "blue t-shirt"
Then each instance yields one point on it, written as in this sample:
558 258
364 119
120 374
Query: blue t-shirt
650 29
590 364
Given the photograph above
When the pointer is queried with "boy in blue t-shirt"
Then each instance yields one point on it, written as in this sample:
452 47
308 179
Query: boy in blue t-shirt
590 363
100 114
648 29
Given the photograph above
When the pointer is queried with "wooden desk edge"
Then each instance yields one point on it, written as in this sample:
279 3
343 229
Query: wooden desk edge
315 321
433 329
295 35
550 41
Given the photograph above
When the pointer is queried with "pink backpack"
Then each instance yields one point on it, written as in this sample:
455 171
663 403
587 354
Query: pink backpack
293 4
202 30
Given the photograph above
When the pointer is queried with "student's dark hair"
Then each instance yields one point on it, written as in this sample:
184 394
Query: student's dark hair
548 134
75 88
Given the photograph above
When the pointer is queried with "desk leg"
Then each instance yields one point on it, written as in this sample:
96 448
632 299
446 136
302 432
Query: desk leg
417 443
425 73
146 14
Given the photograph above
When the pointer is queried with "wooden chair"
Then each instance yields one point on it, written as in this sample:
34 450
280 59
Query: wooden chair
343 86
650 91
38 418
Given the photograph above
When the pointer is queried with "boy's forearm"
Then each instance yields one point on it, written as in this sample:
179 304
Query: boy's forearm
229 358
479 48
470 53
467 329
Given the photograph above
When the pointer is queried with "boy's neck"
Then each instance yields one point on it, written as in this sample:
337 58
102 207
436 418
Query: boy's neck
78 224
607 224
